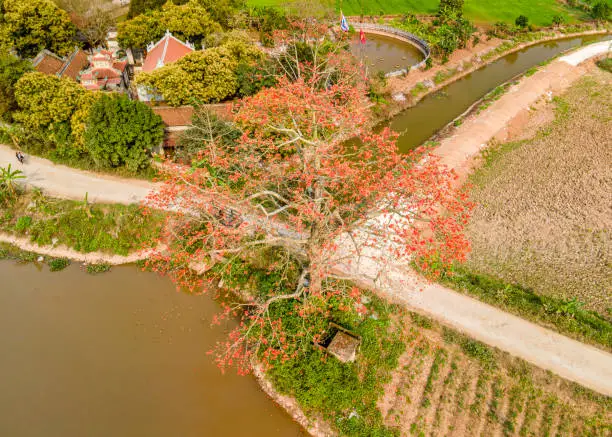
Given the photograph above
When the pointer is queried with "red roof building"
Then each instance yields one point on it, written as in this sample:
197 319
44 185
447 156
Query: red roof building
49 63
105 72
168 49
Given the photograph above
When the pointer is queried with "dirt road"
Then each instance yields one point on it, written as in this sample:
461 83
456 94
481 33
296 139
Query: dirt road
61 181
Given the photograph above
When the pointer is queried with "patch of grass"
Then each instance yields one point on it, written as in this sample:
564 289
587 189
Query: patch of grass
23 223
58 264
419 88
9 252
345 394
443 75
94 269
567 317
471 347
605 64
117 229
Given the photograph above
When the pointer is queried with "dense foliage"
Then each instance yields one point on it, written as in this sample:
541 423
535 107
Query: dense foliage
601 10
32 25
122 132
210 75
11 70
446 34
190 21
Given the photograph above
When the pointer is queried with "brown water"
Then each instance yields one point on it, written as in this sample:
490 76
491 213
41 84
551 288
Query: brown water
381 53
119 354
419 123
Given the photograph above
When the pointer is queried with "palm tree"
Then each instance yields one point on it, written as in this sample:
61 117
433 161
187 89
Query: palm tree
8 179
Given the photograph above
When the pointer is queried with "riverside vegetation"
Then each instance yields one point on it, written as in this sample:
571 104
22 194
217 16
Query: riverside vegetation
79 225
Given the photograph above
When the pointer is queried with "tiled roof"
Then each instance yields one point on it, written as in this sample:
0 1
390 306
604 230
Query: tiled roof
119 65
76 62
168 49
105 72
48 62
173 117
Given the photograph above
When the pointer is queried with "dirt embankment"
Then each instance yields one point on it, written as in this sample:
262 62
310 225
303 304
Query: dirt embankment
61 251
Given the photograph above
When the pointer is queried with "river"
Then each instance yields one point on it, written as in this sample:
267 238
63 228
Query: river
124 354
120 354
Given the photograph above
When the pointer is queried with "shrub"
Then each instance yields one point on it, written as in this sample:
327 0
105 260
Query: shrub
23 223
94 269
601 10
57 264
605 64
521 21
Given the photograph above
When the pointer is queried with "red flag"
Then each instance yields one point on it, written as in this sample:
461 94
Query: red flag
362 37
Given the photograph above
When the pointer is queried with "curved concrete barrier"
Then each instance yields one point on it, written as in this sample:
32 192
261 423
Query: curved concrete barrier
407 37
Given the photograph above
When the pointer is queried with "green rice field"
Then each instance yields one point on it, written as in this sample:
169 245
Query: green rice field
539 12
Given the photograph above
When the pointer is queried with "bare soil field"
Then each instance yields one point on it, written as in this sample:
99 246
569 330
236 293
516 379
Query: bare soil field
450 385
544 214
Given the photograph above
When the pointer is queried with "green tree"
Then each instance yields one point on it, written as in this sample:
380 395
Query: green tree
207 130
122 132
45 100
33 25
521 21
203 76
601 10
11 70
557 20
190 21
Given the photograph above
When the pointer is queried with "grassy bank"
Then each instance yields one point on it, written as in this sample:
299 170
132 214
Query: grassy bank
540 12
113 229
566 316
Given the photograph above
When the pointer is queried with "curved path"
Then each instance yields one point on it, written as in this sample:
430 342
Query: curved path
573 360
61 181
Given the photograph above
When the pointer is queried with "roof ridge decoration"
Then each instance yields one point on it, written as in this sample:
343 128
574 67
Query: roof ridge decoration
167 35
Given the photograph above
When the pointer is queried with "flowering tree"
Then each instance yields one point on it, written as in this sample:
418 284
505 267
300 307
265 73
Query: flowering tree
308 180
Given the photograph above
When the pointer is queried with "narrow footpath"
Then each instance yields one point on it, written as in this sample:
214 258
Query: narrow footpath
570 359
